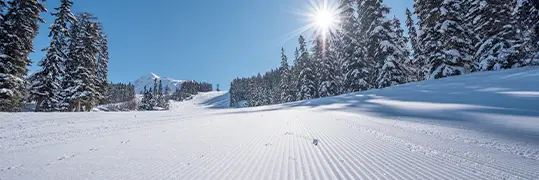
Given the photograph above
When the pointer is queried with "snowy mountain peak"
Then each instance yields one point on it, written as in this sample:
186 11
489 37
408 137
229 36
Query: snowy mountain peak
148 81
154 75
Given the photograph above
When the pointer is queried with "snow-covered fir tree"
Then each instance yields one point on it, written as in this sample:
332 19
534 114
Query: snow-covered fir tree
404 60
156 98
119 93
526 18
162 100
273 80
329 83
352 54
445 42
498 44
2 7
147 103
257 92
416 62
286 94
102 63
294 71
46 83
412 31
20 26
386 50
81 84
307 76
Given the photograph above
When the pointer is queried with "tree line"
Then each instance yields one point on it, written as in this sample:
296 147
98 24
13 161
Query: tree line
190 88
158 97
73 74
155 98
119 93
369 49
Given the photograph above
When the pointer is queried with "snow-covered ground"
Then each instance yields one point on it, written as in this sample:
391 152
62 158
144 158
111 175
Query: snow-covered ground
479 126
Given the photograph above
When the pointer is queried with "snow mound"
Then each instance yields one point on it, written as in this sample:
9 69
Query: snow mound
204 100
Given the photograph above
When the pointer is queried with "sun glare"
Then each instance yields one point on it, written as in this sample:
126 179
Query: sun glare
325 20
324 17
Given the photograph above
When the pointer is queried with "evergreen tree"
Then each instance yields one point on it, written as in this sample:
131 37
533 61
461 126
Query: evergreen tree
329 71
295 70
257 91
81 85
351 53
497 46
2 6
102 62
395 56
412 32
160 88
19 27
416 63
445 42
525 16
307 75
154 92
46 83
147 102
162 100
285 84
386 48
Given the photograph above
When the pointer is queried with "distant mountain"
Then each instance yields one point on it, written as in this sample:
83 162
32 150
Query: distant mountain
147 81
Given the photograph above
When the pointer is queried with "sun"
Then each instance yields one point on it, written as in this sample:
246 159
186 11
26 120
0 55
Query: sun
324 17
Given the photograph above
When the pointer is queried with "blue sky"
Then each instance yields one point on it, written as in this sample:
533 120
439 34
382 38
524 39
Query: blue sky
211 40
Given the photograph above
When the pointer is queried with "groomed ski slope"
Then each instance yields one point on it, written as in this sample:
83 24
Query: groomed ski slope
479 126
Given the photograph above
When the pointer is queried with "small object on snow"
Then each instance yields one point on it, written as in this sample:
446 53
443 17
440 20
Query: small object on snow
315 142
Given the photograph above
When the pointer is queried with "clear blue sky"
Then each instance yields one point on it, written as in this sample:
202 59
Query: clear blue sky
211 40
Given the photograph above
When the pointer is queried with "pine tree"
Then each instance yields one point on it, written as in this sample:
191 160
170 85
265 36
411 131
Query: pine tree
154 92
385 51
351 53
295 70
46 84
416 62
2 6
81 85
147 102
445 42
162 100
525 16
307 75
412 32
329 84
286 93
497 46
20 26
257 91
102 62
394 54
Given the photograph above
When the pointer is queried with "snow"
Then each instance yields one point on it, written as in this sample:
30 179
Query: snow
477 126
148 81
